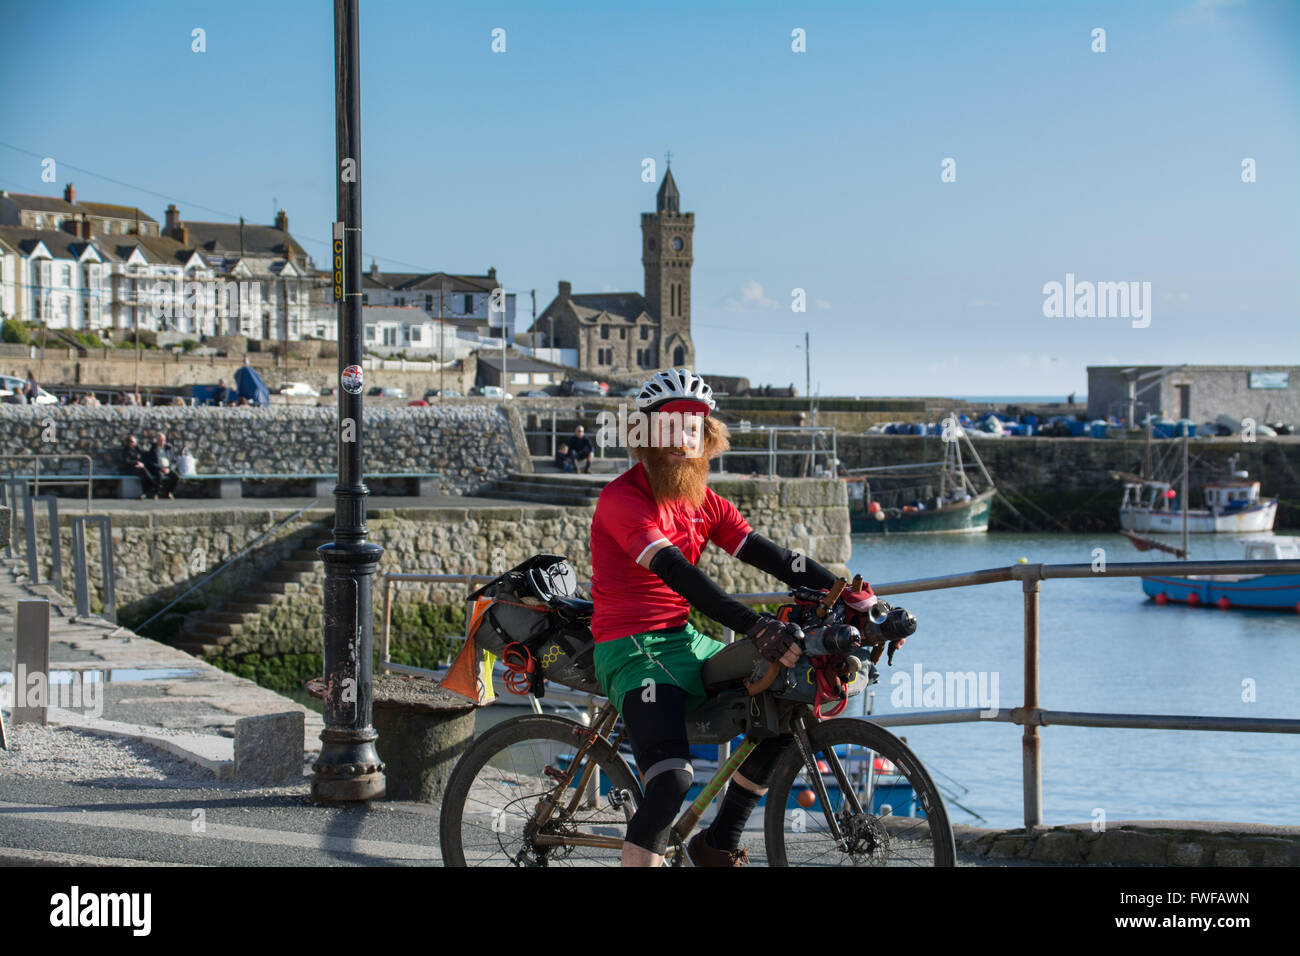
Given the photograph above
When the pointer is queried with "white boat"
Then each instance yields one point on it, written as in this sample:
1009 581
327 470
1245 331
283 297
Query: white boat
1232 506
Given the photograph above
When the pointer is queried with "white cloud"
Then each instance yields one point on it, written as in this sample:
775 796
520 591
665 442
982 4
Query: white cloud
751 295
1204 11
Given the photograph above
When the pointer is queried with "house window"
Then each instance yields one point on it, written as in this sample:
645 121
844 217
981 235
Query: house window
390 335
67 275
428 303
622 334
40 222
320 331
365 299
469 304
400 300
604 331
370 333
415 334
645 332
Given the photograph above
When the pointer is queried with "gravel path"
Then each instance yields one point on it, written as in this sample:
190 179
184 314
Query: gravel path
67 755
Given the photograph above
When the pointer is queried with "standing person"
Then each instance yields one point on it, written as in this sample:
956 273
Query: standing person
160 467
581 451
132 463
650 526
33 388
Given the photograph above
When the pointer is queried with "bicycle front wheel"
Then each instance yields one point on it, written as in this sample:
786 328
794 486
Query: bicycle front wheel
490 808
887 781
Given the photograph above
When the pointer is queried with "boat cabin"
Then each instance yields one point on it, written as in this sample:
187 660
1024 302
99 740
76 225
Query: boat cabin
1271 549
1234 495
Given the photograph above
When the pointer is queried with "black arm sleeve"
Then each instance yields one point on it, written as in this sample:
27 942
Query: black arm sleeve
696 586
796 570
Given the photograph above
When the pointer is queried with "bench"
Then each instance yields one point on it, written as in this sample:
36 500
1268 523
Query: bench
423 483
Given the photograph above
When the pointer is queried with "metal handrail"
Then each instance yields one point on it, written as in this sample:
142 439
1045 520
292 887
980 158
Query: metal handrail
36 476
1031 715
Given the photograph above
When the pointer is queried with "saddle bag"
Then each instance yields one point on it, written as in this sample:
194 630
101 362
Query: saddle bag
536 604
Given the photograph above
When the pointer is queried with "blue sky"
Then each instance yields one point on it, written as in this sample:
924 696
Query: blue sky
816 170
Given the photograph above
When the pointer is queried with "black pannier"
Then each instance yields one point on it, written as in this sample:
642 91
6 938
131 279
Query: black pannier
537 604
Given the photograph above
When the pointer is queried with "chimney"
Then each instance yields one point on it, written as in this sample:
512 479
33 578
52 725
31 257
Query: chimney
566 289
69 193
374 267
492 273
241 237
282 221
85 229
173 226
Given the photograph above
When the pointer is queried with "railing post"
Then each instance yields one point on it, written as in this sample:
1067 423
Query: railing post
388 617
106 563
56 552
1031 745
29 532
553 448
80 582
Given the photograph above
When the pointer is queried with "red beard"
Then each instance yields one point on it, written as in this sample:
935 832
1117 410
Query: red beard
675 479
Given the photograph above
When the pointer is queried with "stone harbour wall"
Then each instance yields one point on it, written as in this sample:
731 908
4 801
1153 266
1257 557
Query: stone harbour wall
159 555
468 445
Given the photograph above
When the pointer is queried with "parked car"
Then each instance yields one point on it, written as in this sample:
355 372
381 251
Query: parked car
387 391
489 391
632 391
587 387
298 388
534 393
445 393
12 385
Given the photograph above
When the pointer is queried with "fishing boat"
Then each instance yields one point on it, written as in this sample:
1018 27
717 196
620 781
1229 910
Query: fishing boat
935 497
1232 505
1226 591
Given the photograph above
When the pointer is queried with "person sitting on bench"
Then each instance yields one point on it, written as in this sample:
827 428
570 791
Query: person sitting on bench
133 465
160 467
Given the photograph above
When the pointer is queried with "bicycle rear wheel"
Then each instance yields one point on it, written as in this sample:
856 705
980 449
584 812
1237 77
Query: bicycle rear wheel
797 831
489 810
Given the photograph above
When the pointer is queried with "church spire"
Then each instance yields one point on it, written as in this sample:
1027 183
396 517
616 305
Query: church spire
669 200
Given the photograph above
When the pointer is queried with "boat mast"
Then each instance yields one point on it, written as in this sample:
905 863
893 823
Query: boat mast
1186 441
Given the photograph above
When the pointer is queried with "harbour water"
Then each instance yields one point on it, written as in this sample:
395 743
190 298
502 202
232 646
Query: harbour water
1104 647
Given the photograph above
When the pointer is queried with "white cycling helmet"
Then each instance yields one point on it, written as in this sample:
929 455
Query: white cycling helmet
672 385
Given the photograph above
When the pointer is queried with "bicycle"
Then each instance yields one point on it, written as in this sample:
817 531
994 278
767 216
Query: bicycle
541 789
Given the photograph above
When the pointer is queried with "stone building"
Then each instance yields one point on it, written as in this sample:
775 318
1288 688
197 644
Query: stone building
629 332
1201 393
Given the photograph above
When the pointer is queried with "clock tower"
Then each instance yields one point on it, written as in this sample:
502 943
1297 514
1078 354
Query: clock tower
667 254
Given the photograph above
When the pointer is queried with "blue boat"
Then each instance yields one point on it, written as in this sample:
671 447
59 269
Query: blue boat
1280 592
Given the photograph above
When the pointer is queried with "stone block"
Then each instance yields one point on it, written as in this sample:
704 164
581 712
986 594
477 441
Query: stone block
269 748
1127 846
1057 846
1186 854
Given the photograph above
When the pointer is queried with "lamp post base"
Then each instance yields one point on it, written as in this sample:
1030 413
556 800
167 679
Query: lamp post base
349 768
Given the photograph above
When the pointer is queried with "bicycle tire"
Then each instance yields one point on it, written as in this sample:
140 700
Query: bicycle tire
544 729
877 840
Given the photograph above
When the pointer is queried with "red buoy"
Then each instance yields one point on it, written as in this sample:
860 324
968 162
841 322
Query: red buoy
873 507
1224 604
1193 599
806 798
1162 598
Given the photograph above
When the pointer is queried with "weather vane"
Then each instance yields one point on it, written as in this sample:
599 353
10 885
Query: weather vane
668 158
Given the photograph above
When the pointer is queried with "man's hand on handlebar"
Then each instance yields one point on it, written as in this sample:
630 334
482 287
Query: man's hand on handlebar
776 640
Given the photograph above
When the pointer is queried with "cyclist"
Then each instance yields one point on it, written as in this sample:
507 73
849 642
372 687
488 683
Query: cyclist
650 526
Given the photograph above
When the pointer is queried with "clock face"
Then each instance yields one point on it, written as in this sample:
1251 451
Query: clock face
677 243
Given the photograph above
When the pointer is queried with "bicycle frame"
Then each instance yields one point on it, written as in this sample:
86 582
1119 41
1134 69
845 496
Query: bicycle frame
690 817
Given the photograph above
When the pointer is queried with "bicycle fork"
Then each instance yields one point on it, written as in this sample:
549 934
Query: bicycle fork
799 725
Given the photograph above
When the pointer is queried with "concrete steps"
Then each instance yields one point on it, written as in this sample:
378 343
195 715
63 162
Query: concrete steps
208 632
580 491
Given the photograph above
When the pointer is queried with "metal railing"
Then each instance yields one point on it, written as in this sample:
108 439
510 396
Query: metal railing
774 451
55 478
1031 715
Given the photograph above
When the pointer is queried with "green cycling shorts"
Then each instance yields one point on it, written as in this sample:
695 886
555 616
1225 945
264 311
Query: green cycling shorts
665 657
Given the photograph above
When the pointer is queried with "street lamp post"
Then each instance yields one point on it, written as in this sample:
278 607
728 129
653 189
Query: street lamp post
349 767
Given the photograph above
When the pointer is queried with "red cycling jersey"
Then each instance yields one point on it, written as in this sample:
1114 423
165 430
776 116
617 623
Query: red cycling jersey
630 599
